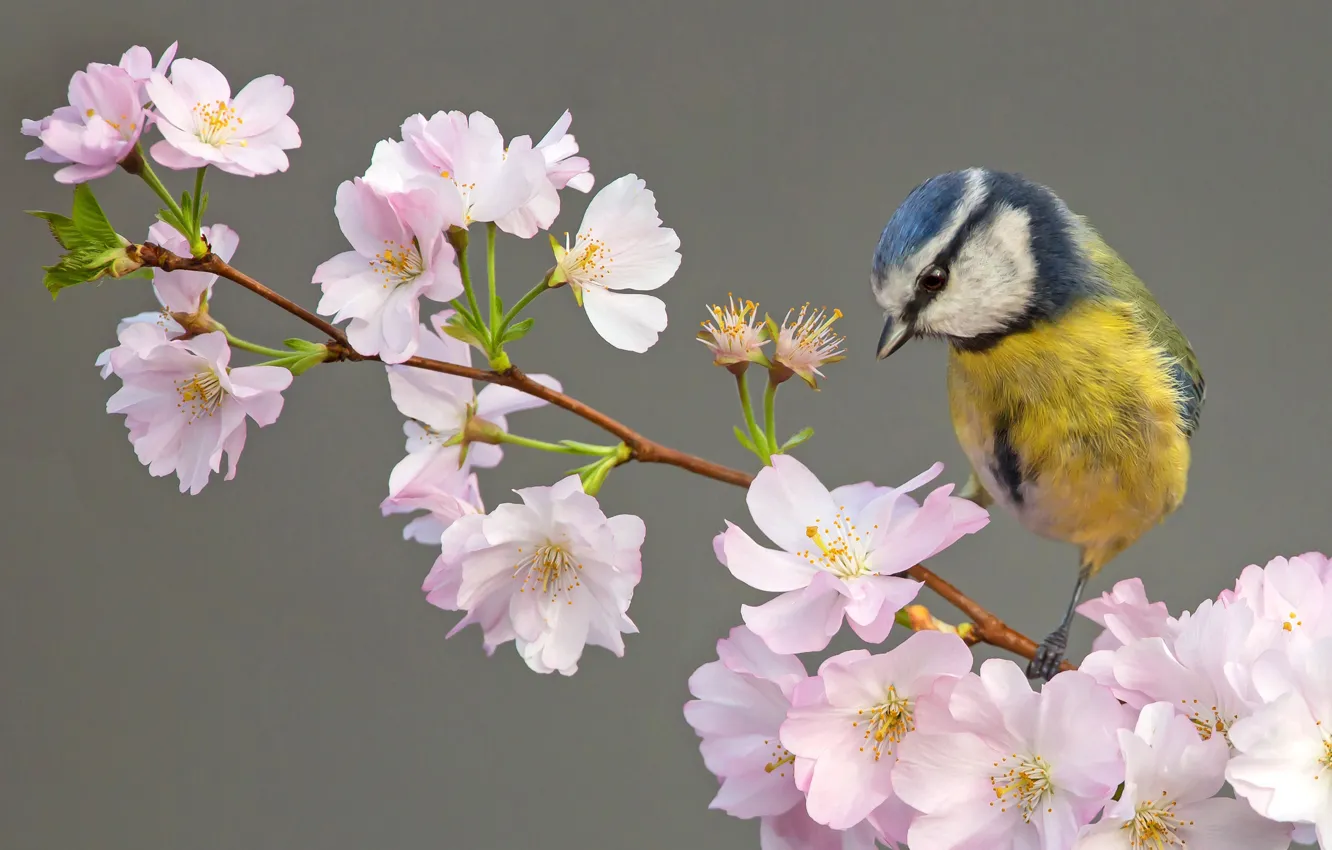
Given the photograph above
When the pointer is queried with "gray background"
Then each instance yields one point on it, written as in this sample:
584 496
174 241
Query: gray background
255 667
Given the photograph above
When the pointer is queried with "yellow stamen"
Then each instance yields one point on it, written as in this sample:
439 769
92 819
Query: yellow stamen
201 394
551 568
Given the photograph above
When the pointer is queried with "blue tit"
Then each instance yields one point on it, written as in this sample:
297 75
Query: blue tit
1072 393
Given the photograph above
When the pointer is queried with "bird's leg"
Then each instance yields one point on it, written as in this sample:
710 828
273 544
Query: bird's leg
1050 654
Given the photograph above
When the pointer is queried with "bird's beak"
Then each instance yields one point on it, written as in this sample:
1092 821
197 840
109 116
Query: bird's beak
894 336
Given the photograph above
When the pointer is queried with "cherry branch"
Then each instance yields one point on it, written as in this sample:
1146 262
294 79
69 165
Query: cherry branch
984 627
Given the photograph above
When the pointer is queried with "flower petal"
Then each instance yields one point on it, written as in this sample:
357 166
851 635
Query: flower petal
628 322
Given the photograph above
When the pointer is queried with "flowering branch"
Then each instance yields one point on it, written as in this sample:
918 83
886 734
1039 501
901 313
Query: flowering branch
1127 752
985 627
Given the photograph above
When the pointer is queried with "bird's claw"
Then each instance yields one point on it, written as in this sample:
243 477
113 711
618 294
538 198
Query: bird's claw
1049 655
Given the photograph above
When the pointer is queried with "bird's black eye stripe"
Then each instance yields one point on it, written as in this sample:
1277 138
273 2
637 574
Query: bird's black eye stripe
932 278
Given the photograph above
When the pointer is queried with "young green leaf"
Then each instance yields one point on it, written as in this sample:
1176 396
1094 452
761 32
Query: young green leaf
91 221
745 441
300 366
63 228
298 344
168 217
799 437
518 330
60 276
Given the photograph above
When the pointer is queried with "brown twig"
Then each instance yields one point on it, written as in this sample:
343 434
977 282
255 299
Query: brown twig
984 627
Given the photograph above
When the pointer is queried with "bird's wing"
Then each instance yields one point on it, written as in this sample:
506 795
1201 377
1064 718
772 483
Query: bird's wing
1163 331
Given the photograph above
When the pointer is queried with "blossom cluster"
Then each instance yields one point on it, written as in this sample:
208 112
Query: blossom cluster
910 746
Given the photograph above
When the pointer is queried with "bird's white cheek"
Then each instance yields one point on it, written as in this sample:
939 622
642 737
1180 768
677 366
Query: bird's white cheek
970 310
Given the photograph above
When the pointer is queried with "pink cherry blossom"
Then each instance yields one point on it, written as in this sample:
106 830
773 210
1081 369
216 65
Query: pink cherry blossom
1169 799
202 124
1283 760
840 552
466 154
1204 669
181 291
740 702
552 574
1126 615
846 724
184 407
400 255
993 764
557 149
100 126
434 476
443 403
1292 592
621 245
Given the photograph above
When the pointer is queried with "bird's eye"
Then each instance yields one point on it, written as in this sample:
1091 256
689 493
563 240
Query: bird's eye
933 278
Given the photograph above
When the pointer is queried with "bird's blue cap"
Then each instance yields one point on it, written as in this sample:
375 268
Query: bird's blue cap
920 218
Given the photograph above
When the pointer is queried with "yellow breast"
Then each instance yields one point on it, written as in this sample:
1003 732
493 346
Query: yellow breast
1090 447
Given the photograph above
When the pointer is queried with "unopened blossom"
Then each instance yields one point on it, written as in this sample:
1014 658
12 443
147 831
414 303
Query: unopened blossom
840 552
552 573
1169 800
846 724
1283 751
100 126
466 154
806 342
182 291
621 245
734 335
1204 669
202 124
184 407
739 703
400 255
1125 615
993 764
434 476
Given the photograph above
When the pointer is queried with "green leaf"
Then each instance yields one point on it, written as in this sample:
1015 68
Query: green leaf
59 277
144 273
462 333
799 437
203 208
62 228
518 330
462 325
297 344
744 440
301 365
168 217
91 221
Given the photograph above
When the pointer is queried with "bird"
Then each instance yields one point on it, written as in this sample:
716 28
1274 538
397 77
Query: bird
1073 395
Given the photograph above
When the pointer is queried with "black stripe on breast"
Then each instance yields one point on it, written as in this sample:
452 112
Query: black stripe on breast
1006 465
